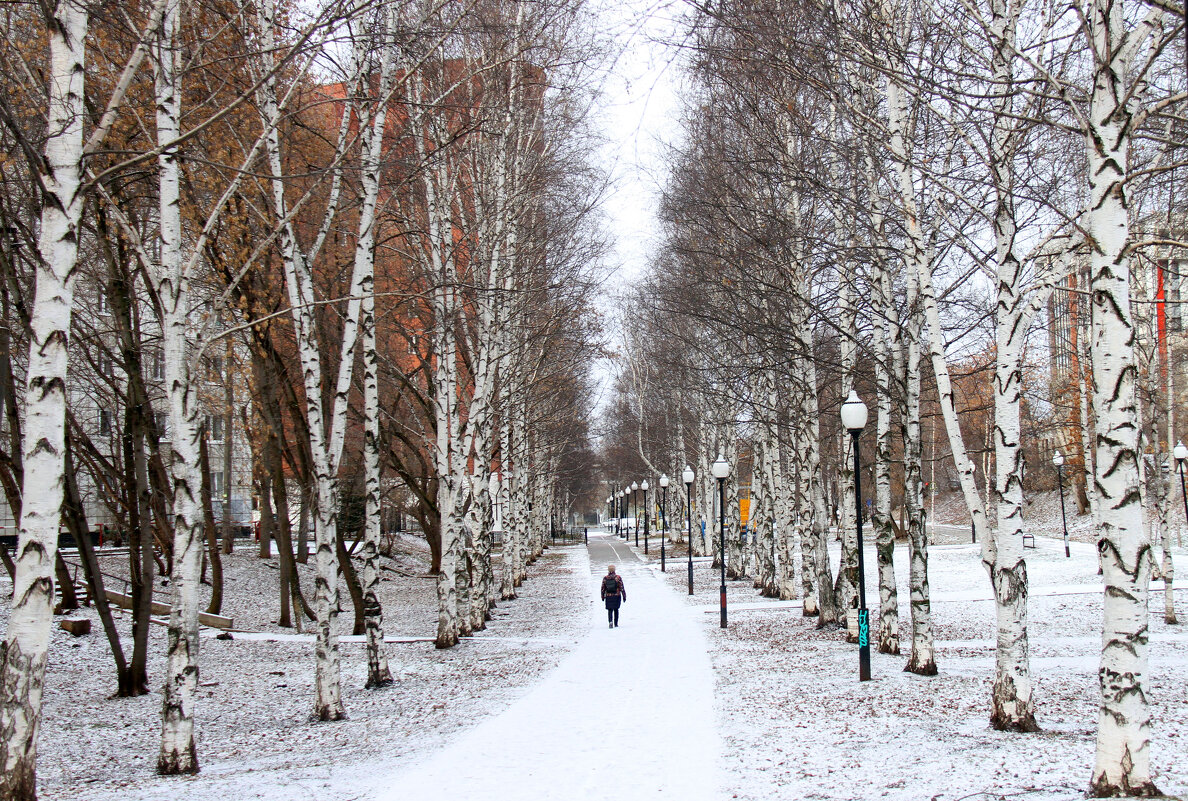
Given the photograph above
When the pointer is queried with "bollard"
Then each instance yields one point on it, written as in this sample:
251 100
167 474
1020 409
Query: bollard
586 535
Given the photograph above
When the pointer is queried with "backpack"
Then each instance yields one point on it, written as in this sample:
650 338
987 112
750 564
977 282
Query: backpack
610 585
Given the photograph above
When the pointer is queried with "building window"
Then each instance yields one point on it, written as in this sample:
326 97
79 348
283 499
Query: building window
214 427
157 368
214 368
161 421
105 422
413 342
102 304
216 484
105 364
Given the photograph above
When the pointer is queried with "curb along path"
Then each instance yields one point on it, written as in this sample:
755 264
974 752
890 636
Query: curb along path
628 714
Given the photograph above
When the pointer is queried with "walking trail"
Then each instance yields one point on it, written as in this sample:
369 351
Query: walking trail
628 714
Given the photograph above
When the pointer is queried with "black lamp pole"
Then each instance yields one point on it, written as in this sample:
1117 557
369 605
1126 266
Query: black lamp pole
863 613
722 543
1060 481
663 519
635 502
688 477
853 414
644 487
1182 495
721 471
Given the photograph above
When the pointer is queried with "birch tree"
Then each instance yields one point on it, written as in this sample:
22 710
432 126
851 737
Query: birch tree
1122 765
26 643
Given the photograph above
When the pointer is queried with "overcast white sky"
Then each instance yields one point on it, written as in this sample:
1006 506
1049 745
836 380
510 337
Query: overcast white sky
638 114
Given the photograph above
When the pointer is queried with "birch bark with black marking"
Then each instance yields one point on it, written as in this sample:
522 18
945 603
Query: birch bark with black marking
26 643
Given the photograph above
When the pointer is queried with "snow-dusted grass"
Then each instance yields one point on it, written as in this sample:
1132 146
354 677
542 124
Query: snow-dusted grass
792 721
1041 516
255 737
796 722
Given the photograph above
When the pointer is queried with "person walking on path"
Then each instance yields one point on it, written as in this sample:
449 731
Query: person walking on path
614 595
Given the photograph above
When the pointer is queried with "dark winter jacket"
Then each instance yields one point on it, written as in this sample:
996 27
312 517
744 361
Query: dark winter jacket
619 590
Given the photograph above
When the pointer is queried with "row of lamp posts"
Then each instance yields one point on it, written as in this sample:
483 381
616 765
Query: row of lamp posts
853 417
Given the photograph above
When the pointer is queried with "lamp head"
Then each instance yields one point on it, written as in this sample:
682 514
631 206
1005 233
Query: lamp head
721 468
644 486
1180 452
1058 459
664 481
687 476
853 413
634 486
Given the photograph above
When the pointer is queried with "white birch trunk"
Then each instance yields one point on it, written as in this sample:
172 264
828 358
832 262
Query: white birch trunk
1012 707
846 587
378 674
735 564
806 537
300 288
371 142
886 367
923 656
786 529
1122 765
26 643
828 612
178 747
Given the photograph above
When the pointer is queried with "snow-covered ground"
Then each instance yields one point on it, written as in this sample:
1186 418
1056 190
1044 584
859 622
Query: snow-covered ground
796 722
550 704
256 739
629 714
1041 516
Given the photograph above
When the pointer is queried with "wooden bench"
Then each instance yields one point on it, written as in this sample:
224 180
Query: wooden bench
205 618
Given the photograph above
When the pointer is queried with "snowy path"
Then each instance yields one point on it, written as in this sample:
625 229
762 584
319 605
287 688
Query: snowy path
629 714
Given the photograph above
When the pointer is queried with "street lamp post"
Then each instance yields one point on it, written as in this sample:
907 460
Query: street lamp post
1180 452
644 487
663 517
853 416
687 477
1058 460
635 503
721 470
